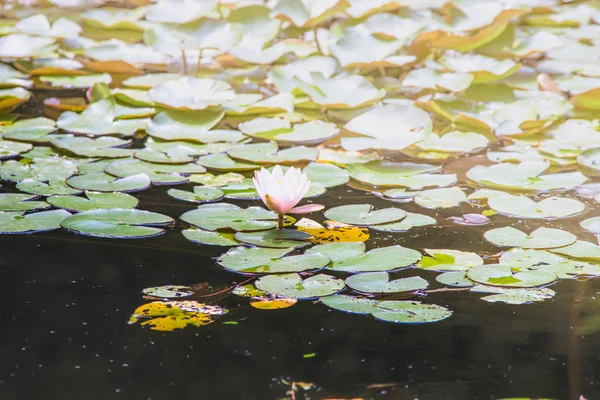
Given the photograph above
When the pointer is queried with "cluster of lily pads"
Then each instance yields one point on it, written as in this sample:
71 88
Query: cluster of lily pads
486 105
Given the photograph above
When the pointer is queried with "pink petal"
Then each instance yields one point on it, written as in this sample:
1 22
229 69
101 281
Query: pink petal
309 208
274 205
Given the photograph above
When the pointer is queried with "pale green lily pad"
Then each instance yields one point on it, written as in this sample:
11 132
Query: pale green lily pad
379 282
50 188
259 260
590 159
94 200
523 207
192 126
275 238
269 153
17 222
117 223
34 130
148 81
426 78
229 216
209 179
169 291
99 118
41 169
412 220
524 176
410 175
440 198
188 93
405 312
14 97
201 194
202 236
20 202
293 286
176 155
514 296
364 215
454 279
160 174
449 260
454 142
102 182
105 147
484 69
591 225
222 162
19 45
352 91
501 275
10 149
351 257
282 131
390 127
326 175
541 238
562 267
75 81
581 250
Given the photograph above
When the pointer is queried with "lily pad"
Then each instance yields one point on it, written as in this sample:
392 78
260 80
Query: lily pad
293 286
160 174
379 282
18 222
351 257
275 238
260 260
50 188
440 198
202 236
94 201
33 130
188 93
502 275
541 238
412 220
117 223
169 291
193 126
454 279
363 214
20 202
403 174
229 216
102 182
201 194
514 296
269 153
449 260
523 207
282 131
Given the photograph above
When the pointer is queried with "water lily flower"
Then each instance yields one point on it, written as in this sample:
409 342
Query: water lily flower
282 192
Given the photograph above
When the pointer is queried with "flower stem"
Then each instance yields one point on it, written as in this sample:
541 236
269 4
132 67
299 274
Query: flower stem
280 221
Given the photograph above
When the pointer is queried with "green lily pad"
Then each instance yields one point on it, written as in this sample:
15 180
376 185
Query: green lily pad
41 169
34 130
502 275
50 188
19 45
75 81
440 198
229 216
351 257
326 175
454 279
410 175
20 202
10 149
18 222
202 236
449 260
269 153
412 220
523 207
541 238
222 162
192 126
209 179
293 286
117 223
160 174
275 238
102 182
105 147
363 214
95 200
341 92
405 312
581 250
282 131
562 267
269 261
201 194
591 225
188 93
514 296
100 118
169 291
379 282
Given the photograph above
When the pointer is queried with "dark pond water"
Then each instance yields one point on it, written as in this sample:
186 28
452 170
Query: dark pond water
66 300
